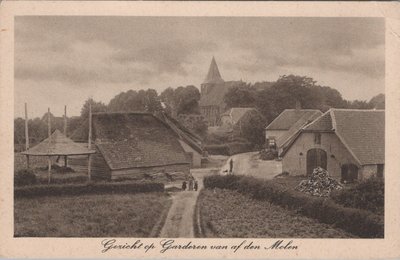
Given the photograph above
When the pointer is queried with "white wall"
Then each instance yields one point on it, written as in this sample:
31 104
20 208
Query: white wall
337 154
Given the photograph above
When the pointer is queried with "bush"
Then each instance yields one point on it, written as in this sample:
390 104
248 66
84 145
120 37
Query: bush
217 149
235 148
357 221
24 177
228 149
90 188
368 195
268 154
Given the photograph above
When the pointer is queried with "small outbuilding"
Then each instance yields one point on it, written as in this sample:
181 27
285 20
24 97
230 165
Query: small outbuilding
279 132
349 143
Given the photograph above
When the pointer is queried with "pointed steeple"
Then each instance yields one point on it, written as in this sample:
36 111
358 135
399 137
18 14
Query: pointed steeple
213 75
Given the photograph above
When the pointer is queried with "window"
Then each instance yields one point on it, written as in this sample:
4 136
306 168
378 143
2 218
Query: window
317 138
379 173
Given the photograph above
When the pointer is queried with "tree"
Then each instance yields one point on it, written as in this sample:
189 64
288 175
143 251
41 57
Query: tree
240 96
378 101
182 100
251 127
96 107
143 100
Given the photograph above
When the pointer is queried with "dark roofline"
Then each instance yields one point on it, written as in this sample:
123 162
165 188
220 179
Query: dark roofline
289 109
152 166
123 113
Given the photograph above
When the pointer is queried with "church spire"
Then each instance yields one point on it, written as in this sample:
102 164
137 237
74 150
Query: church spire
213 75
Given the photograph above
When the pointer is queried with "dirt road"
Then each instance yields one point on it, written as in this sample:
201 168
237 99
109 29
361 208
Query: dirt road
250 164
179 222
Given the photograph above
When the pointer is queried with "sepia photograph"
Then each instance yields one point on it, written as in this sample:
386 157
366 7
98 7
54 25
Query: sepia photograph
208 127
204 130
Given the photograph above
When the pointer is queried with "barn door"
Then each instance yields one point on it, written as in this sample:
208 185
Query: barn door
349 173
316 157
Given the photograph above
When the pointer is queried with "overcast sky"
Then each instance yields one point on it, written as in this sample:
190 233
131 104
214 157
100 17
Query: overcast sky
65 60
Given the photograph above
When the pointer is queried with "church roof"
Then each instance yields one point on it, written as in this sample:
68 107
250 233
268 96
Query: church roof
213 75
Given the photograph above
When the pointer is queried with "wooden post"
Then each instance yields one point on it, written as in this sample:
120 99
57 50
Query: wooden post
26 135
49 148
65 133
90 143
49 174
65 120
90 127
90 167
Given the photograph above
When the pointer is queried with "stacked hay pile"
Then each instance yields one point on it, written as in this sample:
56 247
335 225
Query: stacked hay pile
319 183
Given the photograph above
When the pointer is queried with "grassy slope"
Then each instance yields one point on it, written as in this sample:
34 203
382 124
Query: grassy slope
131 215
230 214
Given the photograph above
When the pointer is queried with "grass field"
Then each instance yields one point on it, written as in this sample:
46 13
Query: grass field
230 214
130 215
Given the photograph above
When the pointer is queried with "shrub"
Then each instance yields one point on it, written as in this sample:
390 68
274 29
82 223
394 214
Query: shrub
24 177
217 149
357 221
89 188
236 147
368 195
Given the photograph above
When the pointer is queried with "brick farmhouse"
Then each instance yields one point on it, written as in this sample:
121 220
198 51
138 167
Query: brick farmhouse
349 143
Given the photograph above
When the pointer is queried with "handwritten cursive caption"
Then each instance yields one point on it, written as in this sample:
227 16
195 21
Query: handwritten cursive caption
168 245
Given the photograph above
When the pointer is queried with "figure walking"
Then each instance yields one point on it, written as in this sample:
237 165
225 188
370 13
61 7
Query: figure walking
190 184
231 166
184 185
196 185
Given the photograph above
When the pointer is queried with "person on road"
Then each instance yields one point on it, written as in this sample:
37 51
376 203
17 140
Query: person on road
195 185
184 185
231 166
190 184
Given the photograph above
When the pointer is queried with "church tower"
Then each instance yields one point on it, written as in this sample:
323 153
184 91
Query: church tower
213 77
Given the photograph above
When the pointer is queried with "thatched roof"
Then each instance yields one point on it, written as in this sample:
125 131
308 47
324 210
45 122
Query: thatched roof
136 139
58 144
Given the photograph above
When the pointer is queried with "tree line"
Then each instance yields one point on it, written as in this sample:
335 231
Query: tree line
270 98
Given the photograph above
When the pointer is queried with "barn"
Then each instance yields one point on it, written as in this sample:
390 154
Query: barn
349 143
280 131
136 145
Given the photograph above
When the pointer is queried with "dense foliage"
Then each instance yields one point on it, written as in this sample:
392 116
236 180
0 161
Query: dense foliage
272 98
356 221
229 214
368 194
24 177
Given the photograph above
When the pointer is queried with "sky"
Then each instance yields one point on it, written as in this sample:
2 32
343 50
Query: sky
64 60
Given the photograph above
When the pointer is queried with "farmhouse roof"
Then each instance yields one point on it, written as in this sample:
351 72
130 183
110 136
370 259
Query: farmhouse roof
213 75
136 139
289 117
306 119
361 131
236 113
58 144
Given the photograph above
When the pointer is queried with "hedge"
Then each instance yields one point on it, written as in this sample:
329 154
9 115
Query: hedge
25 177
228 149
368 194
89 188
356 221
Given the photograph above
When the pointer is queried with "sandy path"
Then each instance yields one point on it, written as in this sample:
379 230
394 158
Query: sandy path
179 221
250 164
